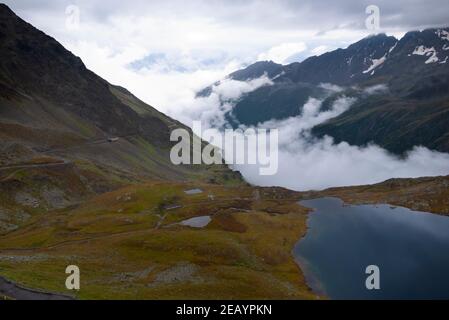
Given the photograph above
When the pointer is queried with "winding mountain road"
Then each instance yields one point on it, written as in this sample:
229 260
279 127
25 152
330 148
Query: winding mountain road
36 165
11 290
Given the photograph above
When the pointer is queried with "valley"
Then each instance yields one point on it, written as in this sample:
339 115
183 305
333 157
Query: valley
86 177
128 245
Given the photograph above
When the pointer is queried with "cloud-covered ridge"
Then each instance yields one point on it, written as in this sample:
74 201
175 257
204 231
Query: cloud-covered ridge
307 162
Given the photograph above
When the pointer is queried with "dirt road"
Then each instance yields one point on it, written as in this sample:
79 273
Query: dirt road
10 290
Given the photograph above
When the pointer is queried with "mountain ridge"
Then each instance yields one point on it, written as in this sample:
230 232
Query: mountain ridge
413 69
65 129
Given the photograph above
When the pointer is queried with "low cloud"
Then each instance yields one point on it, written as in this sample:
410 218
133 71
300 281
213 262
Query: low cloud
319 50
331 87
162 52
282 53
378 88
211 110
307 162
321 163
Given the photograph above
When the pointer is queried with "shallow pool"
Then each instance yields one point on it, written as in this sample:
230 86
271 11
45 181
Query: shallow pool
197 222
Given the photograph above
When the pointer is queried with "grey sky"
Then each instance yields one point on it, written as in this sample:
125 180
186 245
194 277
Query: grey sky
408 14
165 50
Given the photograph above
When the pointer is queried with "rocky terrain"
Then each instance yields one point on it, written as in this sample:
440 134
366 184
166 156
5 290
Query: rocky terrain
428 194
86 179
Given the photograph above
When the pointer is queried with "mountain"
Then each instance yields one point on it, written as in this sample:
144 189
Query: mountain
56 113
86 180
413 110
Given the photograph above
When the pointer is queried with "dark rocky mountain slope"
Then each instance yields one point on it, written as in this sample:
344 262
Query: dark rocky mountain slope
66 133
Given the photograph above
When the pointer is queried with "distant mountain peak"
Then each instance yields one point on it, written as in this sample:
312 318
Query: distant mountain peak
373 40
256 70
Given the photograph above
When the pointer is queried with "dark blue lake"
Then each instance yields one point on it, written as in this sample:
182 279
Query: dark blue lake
410 248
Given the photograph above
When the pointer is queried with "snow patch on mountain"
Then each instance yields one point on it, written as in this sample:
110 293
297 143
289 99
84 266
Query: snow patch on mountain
279 75
375 63
428 52
443 34
392 48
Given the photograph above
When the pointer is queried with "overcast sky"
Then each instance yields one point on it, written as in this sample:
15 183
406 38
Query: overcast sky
163 51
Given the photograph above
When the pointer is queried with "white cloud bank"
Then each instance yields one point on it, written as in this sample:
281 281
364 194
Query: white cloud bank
282 53
211 110
307 162
182 37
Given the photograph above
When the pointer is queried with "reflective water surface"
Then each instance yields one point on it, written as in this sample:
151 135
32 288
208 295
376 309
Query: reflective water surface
410 248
